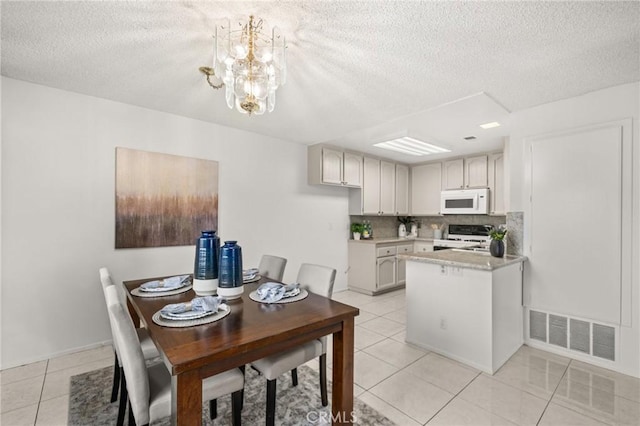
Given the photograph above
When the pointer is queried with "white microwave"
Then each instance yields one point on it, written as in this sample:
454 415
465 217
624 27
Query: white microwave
465 201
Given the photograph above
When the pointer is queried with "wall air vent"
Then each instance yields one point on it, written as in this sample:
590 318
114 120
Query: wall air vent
558 330
538 325
580 339
590 338
604 339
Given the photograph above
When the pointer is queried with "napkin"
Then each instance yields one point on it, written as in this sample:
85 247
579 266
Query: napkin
272 292
198 304
167 284
250 273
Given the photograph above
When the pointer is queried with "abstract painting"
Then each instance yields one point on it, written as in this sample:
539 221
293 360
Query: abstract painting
163 200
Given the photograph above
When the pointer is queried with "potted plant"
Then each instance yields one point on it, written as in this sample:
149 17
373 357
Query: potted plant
357 229
496 248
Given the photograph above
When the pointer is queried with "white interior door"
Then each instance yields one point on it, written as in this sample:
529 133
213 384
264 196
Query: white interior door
576 224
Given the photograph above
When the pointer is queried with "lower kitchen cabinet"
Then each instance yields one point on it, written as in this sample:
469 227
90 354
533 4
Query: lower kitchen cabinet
375 267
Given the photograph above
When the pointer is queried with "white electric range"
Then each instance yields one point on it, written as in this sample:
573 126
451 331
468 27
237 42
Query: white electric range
471 237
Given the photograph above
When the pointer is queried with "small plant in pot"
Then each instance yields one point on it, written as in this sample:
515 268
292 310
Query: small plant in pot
357 229
496 248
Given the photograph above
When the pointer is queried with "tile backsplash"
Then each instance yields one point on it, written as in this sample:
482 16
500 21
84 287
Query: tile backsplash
387 226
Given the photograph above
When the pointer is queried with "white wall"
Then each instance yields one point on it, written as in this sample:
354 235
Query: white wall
612 104
58 206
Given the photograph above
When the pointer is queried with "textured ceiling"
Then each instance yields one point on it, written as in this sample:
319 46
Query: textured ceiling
357 71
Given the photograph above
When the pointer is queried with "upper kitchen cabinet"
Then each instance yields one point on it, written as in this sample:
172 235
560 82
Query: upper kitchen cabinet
470 172
453 174
377 196
331 166
426 182
496 183
402 189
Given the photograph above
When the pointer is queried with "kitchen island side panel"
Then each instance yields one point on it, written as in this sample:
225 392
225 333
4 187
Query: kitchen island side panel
449 312
507 312
469 315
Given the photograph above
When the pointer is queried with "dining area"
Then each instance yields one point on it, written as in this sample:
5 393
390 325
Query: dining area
175 350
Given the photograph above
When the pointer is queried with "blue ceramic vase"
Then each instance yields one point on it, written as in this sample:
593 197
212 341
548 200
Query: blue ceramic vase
205 269
230 283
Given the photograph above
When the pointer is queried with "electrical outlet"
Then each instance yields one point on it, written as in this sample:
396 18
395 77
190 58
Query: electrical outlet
443 323
443 270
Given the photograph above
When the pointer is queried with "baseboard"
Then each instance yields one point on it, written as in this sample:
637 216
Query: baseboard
56 354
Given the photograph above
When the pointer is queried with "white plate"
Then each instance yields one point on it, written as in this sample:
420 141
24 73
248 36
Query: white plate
223 311
302 295
188 315
179 290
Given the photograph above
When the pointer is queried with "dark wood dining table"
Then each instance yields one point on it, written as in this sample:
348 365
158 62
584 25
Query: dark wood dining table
251 331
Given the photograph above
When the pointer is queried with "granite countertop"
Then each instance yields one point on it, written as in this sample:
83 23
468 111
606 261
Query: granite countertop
464 259
390 240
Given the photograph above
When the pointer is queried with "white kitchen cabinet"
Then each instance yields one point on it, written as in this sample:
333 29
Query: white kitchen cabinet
470 172
402 190
375 267
352 170
332 166
453 174
385 272
426 184
475 172
401 272
423 246
387 188
496 183
377 196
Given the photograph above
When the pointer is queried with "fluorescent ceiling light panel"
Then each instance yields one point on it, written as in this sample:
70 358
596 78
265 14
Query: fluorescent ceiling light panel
490 125
411 146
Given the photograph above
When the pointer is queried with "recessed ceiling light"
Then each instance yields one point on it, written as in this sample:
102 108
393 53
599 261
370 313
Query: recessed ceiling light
490 125
411 146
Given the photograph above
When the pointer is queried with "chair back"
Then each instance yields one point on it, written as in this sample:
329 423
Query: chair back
272 267
105 278
135 369
317 279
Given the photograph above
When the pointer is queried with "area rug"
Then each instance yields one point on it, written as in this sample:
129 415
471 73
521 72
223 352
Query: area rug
299 405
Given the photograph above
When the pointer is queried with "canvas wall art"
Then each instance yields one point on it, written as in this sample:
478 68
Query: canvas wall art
163 200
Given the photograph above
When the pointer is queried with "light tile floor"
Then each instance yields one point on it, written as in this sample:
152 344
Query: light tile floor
409 385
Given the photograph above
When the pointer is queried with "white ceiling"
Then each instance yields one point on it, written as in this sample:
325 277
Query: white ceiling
357 71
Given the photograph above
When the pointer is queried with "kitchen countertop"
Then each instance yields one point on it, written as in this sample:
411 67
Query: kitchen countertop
464 259
390 240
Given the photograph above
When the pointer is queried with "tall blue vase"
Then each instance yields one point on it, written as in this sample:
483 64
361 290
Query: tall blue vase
231 283
205 268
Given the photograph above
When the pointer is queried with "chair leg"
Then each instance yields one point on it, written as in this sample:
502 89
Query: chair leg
271 402
122 405
294 377
132 420
213 409
236 408
116 378
323 379
242 390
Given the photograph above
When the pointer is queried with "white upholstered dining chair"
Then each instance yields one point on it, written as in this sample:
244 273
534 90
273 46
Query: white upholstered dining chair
149 388
319 280
272 267
149 351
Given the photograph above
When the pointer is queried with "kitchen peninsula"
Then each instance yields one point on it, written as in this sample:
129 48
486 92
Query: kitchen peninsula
465 305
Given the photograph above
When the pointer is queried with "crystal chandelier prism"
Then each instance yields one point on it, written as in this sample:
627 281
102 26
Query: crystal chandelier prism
250 61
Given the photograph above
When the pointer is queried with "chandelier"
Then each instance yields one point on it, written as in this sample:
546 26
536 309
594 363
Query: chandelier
250 63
